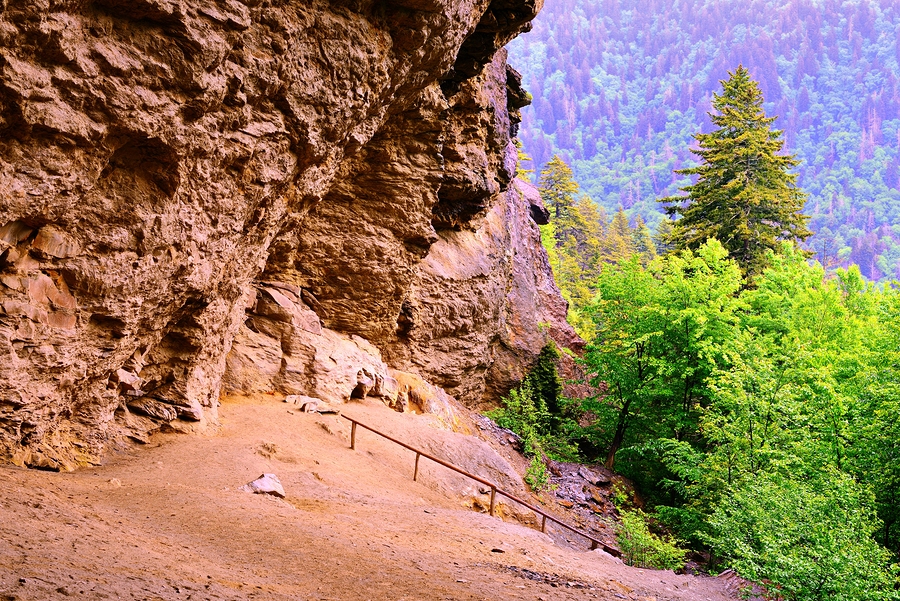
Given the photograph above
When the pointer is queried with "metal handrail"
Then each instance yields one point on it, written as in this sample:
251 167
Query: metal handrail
494 488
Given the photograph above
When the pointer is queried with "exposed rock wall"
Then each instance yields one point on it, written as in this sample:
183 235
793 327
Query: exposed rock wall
482 305
158 156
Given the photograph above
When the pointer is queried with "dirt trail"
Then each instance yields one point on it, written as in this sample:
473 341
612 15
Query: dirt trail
167 522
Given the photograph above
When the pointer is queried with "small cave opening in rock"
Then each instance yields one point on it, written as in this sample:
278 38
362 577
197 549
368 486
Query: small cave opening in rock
168 361
405 323
456 207
109 325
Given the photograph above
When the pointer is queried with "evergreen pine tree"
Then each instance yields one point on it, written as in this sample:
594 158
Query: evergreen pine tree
643 241
619 238
663 236
592 224
544 379
744 194
521 171
558 187
567 239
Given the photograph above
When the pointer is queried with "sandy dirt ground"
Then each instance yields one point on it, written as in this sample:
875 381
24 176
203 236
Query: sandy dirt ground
167 521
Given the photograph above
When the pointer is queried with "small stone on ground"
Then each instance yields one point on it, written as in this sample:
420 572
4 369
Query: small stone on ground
267 484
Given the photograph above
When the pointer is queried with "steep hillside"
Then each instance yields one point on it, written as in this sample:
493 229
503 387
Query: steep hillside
322 185
621 85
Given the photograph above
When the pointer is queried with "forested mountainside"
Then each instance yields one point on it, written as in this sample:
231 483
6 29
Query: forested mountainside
620 86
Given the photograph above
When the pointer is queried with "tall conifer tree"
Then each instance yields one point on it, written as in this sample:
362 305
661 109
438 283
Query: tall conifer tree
643 241
620 238
557 186
744 195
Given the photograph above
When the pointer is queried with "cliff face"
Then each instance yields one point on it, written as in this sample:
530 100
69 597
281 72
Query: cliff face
159 159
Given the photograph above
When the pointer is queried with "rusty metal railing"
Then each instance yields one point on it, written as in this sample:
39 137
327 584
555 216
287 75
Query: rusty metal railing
494 488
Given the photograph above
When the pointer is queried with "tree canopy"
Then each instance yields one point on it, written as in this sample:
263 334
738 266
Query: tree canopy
558 187
581 237
760 423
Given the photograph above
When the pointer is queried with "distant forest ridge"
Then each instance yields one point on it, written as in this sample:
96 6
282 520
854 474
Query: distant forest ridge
620 86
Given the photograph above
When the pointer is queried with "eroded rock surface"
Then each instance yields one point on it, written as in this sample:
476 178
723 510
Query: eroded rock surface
158 157
482 305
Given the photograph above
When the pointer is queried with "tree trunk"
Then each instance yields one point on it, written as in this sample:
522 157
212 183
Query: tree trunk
618 437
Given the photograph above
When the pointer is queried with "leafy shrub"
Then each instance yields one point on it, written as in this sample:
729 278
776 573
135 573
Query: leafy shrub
536 411
544 380
536 475
808 537
620 497
523 414
686 523
642 548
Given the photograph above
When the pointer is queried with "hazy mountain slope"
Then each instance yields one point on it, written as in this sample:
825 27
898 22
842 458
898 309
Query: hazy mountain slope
620 86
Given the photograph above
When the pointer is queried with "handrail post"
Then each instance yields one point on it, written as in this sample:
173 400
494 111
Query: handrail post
544 524
353 435
493 494
416 472
593 544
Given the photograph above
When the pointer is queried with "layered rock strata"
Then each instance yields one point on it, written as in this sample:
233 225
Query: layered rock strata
158 157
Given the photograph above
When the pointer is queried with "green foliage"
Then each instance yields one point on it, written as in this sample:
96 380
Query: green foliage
524 413
763 422
580 239
536 475
744 194
658 333
544 379
620 497
663 236
642 240
810 538
621 240
644 549
571 280
687 523
874 455
522 158
537 412
558 188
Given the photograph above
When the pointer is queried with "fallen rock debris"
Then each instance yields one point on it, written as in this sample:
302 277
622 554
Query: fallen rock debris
554 580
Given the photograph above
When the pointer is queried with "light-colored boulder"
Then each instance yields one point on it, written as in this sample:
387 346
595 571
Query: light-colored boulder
309 404
252 364
266 484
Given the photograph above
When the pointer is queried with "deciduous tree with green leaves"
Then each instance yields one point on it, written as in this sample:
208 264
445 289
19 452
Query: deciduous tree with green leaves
796 460
809 536
745 194
659 331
